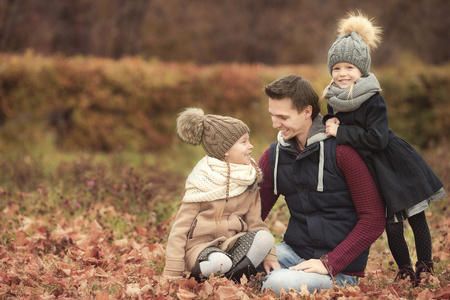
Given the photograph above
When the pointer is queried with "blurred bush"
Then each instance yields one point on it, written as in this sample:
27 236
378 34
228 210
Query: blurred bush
106 105
417 100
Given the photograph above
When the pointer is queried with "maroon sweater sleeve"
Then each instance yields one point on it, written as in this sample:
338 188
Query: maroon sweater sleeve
367 201
268 198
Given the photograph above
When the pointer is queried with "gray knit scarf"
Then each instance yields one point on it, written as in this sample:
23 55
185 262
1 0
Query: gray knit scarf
341 101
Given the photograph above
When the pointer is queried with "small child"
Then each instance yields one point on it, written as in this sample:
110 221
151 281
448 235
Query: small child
218 228
357 116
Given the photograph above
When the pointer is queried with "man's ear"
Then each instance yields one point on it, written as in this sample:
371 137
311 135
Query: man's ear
308 111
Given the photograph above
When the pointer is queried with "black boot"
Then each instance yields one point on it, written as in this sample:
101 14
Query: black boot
197 274
245 266
404 272
423 267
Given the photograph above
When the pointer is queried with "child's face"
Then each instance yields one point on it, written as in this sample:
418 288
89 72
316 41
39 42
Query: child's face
240 152
344 74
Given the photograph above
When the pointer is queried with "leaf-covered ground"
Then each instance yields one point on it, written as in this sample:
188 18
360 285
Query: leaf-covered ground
96 229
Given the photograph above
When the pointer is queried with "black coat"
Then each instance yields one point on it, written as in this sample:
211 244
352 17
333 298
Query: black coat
400 172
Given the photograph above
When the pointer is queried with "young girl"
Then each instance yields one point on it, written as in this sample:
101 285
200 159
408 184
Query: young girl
357 115
218 228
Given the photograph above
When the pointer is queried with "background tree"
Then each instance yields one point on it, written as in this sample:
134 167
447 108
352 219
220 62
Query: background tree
206 31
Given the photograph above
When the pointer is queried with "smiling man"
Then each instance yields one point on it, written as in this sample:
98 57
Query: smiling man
336 212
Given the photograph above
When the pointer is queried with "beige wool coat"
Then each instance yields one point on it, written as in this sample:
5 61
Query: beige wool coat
195 229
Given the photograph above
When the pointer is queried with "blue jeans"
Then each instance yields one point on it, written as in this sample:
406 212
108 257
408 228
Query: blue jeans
286 278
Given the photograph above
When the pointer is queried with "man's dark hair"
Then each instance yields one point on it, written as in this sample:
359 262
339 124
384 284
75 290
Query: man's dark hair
298 89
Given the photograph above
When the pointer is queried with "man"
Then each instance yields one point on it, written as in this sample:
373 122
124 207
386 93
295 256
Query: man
336 210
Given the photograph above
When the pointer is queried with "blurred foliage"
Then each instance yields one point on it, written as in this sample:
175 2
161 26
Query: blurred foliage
105 105
134 184
207 32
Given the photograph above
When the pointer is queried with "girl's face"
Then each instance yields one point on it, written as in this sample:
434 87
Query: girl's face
345 74
240 152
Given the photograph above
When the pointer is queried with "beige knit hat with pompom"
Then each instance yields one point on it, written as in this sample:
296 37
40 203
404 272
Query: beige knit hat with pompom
217 134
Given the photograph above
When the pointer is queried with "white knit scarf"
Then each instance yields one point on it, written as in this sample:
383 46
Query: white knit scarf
208 180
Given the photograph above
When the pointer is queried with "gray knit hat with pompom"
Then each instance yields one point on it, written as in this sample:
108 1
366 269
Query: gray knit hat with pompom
217 134
357 37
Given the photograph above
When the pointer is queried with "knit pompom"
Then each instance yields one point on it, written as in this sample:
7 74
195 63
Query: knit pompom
360 24
190 125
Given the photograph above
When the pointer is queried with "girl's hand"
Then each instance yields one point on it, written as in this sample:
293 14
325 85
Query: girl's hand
333 120
331 129
311 266
270 265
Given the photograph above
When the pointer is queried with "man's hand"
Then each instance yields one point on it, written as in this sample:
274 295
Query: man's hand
271 265
311 266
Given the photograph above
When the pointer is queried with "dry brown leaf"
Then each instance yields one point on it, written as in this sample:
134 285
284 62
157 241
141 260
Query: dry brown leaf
206 290
134 291
93 237
426 294
244 279
101 296
443 293
21 239
225 292
121 244
185 294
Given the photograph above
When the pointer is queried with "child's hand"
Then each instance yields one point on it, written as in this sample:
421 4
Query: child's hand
271 265
333 120
331 129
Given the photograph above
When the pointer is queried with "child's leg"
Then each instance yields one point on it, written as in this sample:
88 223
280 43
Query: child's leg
262 243
250 252
217 263
422 237
397 244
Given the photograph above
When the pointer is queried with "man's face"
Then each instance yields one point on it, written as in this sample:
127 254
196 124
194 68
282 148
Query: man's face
288 120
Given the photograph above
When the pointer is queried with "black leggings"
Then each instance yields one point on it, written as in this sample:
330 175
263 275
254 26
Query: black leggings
422 238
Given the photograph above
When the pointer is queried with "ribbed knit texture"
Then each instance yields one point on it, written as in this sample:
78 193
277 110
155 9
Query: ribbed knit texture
366 199
352 49
341 100
208 180
220 133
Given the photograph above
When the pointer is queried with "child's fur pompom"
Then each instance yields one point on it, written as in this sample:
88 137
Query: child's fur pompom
360 24
190 125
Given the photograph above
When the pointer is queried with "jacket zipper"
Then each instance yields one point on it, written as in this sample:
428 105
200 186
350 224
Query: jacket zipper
242 224
191 231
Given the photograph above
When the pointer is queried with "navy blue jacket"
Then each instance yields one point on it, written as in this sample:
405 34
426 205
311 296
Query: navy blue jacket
318 198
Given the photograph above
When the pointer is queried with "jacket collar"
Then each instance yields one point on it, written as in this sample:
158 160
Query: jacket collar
317 134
